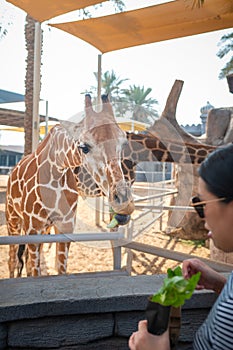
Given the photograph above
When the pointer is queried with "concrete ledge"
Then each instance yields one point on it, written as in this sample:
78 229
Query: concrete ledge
75 310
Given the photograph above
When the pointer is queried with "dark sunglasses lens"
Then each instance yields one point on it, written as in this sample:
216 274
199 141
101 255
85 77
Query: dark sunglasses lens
199 207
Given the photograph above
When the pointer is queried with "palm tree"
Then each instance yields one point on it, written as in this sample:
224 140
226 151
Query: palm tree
118 6
133 99
139 103
226 43
110 84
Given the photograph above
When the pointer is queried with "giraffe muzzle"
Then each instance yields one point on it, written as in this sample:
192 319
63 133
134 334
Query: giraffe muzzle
122 200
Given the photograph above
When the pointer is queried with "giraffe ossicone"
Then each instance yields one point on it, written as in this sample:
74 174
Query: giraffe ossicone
42 188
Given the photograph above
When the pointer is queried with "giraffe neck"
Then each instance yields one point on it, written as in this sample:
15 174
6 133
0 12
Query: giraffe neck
58 150
150 148
145 148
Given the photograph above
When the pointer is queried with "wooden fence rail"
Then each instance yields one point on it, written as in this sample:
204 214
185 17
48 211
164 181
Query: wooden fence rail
177 256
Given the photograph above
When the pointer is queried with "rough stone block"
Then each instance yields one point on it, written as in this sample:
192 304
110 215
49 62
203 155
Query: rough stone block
191 321
127 322
3 336
113 343
60 331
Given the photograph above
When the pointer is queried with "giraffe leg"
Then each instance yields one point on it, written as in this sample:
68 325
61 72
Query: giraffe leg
12 262
62 249
34 257
56 231
20 256
23 258
62 257
28 263
14 229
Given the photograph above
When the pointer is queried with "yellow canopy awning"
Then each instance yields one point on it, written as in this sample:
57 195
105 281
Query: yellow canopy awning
42 10
151 24
132 125
126 125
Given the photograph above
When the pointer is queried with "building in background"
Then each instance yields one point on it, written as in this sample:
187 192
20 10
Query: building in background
9 157
199 129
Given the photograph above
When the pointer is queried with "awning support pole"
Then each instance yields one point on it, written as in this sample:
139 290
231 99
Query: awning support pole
36 87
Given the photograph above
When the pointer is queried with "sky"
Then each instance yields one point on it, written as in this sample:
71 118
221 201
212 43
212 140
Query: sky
68 64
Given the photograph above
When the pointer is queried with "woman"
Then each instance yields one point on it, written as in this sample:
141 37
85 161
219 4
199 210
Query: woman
215 206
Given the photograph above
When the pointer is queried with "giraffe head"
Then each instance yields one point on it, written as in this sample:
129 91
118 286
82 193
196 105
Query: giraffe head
100 141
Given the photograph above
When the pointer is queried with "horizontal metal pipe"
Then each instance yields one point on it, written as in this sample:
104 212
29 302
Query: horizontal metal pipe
165 207
155 196
61 238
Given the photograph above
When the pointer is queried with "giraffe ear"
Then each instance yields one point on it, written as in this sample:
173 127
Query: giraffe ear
107 107
74 130
88 105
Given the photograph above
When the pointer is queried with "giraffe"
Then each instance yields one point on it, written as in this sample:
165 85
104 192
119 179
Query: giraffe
42 191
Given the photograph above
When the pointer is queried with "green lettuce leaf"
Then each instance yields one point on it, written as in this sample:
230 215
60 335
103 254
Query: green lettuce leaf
176 289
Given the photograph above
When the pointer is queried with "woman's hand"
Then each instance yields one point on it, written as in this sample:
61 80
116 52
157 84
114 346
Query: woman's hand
142 340
209 279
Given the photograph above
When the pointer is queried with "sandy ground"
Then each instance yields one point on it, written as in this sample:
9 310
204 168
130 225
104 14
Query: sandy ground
92 257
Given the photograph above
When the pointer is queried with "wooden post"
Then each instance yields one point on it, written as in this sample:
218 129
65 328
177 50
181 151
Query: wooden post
47 118
99 83
36 87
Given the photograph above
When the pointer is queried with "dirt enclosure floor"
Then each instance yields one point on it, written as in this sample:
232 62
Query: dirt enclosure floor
92 257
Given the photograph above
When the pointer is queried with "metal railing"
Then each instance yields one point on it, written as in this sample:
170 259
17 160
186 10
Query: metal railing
114 237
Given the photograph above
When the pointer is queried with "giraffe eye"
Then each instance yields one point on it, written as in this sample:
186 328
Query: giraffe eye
85 148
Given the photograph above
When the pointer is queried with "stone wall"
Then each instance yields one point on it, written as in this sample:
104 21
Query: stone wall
85 312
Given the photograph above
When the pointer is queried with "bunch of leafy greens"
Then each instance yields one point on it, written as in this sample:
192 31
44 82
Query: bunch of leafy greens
176 289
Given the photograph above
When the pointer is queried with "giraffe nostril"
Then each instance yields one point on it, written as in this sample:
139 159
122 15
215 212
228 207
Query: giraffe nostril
116 198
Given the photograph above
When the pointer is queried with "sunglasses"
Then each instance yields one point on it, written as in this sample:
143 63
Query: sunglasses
199 205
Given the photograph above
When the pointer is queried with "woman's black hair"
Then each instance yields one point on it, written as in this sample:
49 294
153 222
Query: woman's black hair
217 172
